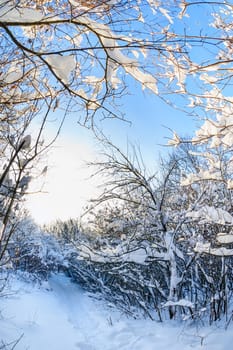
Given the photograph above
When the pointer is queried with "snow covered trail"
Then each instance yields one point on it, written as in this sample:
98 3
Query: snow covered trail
60 316
80 310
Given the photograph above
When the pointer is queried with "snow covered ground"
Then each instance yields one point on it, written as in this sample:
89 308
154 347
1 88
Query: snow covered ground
61 316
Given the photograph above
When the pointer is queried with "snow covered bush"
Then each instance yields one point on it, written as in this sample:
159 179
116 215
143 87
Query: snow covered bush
155 245
163 246
33 251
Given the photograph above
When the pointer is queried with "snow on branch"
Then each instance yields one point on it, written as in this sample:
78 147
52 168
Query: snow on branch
224 238
116 56
181 302
206 248
62 66
207 214
11 13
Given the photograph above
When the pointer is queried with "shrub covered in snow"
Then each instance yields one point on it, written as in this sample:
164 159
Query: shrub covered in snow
154 246
163 243
33 251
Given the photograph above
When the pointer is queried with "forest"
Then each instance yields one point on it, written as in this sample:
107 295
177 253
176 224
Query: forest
154 245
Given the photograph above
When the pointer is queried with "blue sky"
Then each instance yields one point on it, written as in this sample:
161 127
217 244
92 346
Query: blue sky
66 183
150 123
67 186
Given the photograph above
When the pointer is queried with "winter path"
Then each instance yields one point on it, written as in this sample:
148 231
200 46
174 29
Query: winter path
60 316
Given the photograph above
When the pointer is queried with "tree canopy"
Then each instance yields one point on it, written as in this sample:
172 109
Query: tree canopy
79 57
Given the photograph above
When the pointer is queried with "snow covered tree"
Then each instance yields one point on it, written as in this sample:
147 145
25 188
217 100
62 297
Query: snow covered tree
172 233
62 56
76 56
87 51
79 56
66 231
17 155
211 222
149 223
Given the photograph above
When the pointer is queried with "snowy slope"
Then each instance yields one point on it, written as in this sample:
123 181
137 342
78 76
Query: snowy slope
60 316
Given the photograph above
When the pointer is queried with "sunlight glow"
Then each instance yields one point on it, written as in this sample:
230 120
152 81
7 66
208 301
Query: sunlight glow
67 185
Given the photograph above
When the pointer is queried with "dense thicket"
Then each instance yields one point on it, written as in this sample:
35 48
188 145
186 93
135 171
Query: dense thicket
162 242
166 243
150 244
